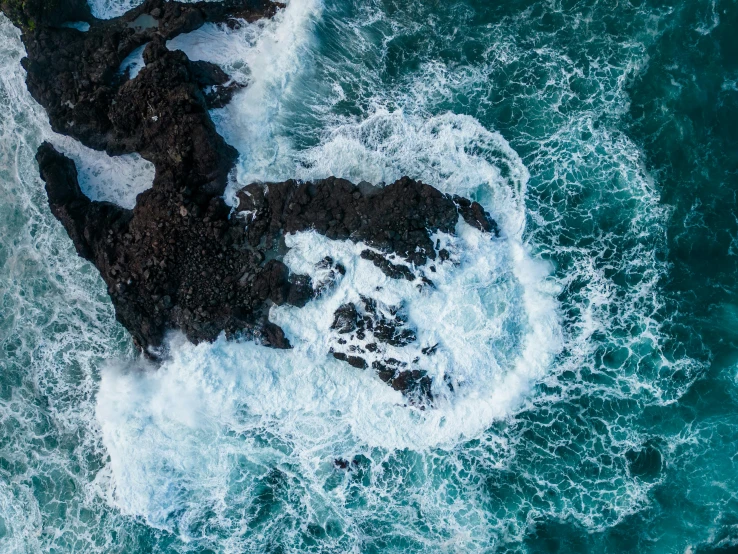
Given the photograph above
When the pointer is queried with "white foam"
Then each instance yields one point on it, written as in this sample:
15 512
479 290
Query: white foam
116 179
56 322
134 62
491 311
452 152
486 324
108 9
493 314
267 55
79 25
175 425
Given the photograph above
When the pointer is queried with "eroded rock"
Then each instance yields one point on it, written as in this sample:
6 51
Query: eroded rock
181 259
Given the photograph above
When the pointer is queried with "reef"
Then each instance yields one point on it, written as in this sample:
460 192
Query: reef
182 259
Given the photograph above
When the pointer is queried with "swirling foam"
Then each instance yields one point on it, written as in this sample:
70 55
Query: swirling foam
231 445
494 312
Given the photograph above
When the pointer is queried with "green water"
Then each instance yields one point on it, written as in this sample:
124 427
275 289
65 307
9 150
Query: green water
625 115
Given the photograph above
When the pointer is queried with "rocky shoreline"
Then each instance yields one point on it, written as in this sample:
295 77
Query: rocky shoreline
182 259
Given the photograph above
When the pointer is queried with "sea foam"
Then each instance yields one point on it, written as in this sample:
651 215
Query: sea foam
232 446
172 433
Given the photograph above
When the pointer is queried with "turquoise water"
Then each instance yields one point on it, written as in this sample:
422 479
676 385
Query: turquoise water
602 416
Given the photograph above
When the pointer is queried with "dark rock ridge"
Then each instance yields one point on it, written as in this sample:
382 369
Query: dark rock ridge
163 113
182 259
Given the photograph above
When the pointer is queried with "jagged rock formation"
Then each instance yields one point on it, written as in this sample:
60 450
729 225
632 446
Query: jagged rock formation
181 259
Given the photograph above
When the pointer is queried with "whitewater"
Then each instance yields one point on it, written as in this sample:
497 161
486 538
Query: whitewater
570 423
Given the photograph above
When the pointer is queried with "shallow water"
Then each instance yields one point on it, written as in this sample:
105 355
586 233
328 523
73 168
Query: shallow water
591 345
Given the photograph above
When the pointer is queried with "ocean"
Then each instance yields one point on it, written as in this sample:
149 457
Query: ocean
592 347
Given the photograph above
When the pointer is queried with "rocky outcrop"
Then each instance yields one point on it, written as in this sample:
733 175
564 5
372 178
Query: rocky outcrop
182 259
399 218
163 113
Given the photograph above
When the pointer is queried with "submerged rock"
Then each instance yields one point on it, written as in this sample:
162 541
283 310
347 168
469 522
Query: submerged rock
182 259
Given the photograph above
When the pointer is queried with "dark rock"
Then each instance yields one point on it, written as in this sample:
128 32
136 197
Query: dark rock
363 334
398 218
430 350
414 383
179 259
346 319
216 85
340 463
355 361
274 336
300 290
335 272
395 271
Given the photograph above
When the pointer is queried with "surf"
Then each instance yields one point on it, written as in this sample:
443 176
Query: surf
493 311
556 337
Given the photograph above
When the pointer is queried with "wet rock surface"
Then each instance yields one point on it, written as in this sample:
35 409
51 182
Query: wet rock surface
183 259
365 333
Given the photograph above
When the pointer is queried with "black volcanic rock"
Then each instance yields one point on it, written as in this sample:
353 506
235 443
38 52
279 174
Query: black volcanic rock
398 218
75 76
182 259
31 14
